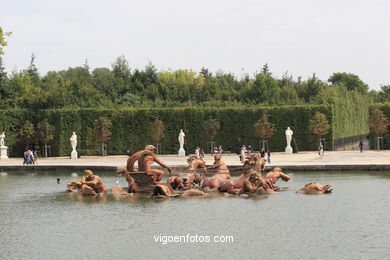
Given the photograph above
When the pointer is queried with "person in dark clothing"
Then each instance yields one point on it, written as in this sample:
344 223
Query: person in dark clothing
269 156
262 153
361 145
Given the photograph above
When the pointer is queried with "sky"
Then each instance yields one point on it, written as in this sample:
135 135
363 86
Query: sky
297 37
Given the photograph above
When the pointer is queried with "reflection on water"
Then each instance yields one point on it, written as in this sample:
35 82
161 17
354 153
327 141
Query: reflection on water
39 220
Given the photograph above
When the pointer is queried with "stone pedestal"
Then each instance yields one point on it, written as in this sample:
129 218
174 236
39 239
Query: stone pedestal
289 150
181 152
3 152
73 155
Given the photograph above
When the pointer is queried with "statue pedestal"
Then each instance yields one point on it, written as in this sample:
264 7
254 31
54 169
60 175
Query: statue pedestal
289 150
73 155
3 152
181 152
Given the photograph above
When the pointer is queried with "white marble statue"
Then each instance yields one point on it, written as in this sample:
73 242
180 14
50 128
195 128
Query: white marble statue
3 148
181 142
73 142
289 134
2 136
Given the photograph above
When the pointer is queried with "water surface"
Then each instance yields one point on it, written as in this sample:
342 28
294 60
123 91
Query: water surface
39 220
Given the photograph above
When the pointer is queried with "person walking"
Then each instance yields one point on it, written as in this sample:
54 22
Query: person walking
197 152
262 153
361 145
26 158
201 152
242 154
30 154
269 156
321 150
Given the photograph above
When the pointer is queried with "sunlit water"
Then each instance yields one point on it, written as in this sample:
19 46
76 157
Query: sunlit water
39 220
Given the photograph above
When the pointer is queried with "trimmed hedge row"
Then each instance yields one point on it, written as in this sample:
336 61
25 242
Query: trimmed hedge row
131 126
11 121
351 113
385 107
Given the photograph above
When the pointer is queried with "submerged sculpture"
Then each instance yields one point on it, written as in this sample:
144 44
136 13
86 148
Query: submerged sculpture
144 175
193 181
89 184
315 188
221 173
274 175
195 163
255 184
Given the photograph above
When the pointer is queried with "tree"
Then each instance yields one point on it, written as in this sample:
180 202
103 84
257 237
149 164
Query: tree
350 81
211 128
45 133
33 71
384 93
264 129
4 91
3 43
27 133
157 129
319 125
102 132
378 123
121 69
205 73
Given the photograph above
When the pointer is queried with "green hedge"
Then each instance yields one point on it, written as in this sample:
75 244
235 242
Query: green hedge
351 112
385 107
131 127
10 122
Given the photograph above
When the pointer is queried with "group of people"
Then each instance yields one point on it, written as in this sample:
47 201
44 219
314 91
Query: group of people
218 150
248 150
199 153
29 157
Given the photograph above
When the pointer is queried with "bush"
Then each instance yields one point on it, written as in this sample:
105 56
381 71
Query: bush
130 127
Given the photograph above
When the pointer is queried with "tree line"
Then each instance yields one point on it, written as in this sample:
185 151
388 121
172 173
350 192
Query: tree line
83 87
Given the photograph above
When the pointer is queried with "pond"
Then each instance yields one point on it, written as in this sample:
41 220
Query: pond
39 220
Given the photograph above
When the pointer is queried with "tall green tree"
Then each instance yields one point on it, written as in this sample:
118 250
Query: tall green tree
121 69
3 43
45 133
27 134
33 71
157 129
102 132
264 129
4 90
378 123
384 94
350 81
211 127
319 125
